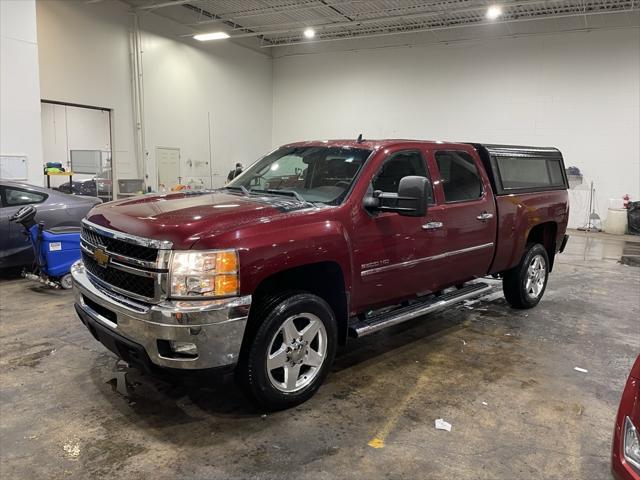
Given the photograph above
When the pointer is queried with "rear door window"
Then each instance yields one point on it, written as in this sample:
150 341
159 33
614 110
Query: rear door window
459 176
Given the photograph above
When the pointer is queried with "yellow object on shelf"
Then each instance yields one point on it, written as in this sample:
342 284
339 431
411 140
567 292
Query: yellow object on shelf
48 176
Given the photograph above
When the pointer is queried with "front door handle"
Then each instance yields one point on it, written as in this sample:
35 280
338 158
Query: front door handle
484 216
432 225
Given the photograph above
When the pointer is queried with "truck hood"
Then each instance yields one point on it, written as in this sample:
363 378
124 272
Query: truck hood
183 218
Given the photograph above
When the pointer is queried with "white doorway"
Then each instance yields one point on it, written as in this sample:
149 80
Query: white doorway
78 139
168 162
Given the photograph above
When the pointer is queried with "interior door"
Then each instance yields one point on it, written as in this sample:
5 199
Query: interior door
168 161
396 256
469 214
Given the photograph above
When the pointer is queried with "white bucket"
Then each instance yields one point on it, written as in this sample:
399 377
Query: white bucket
616 222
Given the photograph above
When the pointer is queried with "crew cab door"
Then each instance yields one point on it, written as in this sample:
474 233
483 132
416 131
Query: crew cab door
469 213
396 257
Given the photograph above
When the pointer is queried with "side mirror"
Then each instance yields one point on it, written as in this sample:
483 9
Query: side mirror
413 192
410 201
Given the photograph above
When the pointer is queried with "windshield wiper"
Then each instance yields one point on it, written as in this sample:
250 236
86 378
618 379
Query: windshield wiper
292 193
242 188
288 193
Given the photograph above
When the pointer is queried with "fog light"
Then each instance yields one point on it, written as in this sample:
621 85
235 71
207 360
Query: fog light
185 349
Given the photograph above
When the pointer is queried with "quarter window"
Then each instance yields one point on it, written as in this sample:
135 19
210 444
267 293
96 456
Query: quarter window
400 165
459 176
15 197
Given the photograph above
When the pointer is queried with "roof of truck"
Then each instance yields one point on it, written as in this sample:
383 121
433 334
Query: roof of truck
493 149
368 144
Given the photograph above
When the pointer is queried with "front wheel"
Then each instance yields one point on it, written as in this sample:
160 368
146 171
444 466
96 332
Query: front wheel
291 351
524 285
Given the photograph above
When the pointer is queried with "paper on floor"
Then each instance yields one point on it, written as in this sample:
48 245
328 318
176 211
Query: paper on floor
442 425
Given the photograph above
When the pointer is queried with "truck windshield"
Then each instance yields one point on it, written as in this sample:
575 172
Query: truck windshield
316 174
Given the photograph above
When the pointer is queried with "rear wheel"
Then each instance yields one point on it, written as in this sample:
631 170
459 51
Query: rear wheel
291 351
524 285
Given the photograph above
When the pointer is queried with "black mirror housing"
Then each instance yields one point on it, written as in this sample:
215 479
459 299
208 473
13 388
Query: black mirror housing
410 201
412 196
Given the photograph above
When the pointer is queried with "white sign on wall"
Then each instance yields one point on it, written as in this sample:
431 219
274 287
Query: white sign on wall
13 167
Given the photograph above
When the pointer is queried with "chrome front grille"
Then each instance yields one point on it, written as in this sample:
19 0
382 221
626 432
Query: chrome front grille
120 247
133 266
129 282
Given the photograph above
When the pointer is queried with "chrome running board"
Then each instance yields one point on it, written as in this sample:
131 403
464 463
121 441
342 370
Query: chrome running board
362 328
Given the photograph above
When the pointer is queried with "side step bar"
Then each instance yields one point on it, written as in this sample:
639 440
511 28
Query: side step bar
379 322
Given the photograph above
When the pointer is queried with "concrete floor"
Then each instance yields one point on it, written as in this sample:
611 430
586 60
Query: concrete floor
503 378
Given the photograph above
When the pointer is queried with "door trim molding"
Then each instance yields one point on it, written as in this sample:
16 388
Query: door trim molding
416 261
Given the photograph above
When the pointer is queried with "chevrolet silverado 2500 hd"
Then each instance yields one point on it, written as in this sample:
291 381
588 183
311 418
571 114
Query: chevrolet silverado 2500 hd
316 242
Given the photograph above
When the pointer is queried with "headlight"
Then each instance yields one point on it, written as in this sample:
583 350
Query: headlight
204 274
631 444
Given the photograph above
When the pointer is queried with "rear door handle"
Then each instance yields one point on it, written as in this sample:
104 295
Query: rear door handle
432 225
485 216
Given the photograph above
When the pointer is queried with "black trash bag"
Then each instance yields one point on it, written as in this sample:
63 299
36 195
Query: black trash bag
633 218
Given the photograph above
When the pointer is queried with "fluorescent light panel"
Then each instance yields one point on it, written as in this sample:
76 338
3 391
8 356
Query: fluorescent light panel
494 11
204 37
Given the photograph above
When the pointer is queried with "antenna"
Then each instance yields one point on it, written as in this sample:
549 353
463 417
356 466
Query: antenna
359 138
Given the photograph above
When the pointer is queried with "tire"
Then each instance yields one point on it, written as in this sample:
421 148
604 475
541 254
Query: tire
525 284
289 352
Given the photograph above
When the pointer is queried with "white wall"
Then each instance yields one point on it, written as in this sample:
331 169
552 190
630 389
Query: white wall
579 92
19 85
184 85
85 59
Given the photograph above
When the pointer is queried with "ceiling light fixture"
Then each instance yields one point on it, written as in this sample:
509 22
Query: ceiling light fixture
309 33
494 11
203 37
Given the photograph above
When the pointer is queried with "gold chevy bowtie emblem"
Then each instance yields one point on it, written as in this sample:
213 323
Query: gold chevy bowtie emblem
101 257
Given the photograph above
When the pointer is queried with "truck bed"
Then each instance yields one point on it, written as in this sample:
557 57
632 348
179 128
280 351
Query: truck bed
518 214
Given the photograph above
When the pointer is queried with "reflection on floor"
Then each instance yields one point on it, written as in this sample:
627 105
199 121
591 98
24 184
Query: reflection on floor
603 246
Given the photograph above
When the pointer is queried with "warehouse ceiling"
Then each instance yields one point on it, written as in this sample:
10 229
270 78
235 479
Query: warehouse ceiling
265 24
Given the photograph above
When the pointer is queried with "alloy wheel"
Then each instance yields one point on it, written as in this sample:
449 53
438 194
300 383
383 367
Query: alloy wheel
536 276
297 352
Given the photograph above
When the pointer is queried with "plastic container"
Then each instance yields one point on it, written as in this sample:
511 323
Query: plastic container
616 222
616 203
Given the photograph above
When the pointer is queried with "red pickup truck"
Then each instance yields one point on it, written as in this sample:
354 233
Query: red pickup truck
316 242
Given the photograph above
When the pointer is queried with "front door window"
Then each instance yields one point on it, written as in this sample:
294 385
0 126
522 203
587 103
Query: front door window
399 165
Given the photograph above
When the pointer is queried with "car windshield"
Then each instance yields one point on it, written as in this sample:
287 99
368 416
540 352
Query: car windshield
314 174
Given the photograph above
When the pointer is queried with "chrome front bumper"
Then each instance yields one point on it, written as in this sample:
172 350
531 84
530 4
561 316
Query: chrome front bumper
215 327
